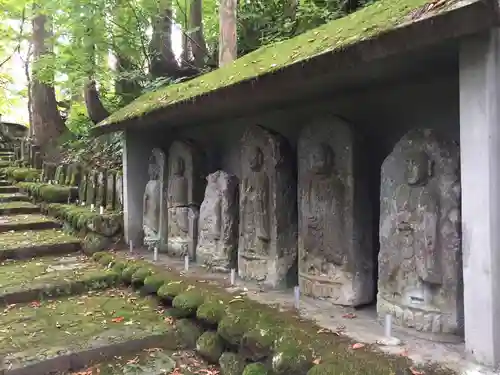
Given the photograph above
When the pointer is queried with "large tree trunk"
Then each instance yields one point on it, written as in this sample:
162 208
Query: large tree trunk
163 62
228 38
95 108
48 124
127 89
197 39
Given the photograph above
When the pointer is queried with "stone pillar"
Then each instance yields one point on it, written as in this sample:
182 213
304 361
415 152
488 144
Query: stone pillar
480 174
136 151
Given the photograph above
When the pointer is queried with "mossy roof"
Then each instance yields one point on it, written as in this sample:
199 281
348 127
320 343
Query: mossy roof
366 23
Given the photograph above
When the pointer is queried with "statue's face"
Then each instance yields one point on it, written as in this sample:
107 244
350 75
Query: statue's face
256 158
320 159
418 168
178 167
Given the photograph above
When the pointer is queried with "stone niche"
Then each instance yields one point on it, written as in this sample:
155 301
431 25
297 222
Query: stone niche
218 224
335 230
267 249
420 275
186 186
153 198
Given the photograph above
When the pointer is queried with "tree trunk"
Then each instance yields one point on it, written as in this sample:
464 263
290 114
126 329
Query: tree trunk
127 89
163 62
95 108
228 37
197 39
48 124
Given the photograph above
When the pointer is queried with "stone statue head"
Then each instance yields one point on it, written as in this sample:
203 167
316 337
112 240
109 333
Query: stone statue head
256 158
178 167
321 159
419 168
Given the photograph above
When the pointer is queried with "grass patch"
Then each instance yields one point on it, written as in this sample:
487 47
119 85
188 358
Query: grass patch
18 276
33 332
10 240
25 219
366 23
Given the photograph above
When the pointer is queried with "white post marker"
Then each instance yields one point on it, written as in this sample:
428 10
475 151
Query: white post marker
77 202
131 246
233 276
101 210
186 263
83 203
296 296
388 325
155 254
92 207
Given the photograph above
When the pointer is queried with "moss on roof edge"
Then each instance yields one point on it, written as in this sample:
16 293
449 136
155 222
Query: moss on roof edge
366 23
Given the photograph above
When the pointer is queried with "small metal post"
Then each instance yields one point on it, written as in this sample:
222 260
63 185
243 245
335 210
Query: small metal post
296 296
155 254
388 325
131 247
186 263
233 277
101 210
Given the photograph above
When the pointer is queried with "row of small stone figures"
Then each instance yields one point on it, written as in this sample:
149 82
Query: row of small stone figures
96 188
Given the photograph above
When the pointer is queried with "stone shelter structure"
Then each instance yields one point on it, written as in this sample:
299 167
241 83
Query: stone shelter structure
365 159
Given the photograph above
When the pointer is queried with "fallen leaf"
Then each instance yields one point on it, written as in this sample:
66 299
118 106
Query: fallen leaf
317 361
414 371
358 345
133 361
169 320
118 319
35 304
323 330
349 316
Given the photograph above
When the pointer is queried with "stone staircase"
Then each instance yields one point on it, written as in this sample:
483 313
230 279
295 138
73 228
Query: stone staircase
25 232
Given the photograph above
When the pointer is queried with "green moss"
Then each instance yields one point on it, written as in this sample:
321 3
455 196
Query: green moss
366 23
256 369
210 346
233 326
259 341
119 266
171 290
128 273
211 312
98 255
188 302
24 174
187 332
49 193
23 239
153 282
106 259
292 358
231 364
139 276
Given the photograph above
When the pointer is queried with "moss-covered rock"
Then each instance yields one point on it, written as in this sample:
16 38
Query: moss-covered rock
128 272
171 290
210 346
24 174
256 369
119 266
188 332
105 259
211 311
258 342
188 301
93 242
140 275
234 325
292 358
231 364
98 255
153 282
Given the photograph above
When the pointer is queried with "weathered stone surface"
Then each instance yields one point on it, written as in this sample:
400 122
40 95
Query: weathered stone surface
37 160
153 198
184 196
91 188
48 171
110 190
119 191
60 176
218 223
82 188
74 175
420 245
267 249
335 231
102 180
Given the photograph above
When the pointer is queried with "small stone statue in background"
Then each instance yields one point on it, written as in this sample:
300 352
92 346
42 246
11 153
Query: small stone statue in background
153 199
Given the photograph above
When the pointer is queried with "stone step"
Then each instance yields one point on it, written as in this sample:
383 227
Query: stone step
5 183
14 197
8 189
14 208
26 222
32 243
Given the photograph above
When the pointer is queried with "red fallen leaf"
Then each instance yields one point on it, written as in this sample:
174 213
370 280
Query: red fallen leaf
414 371
358 345
118 319
349 316
35 304
176 371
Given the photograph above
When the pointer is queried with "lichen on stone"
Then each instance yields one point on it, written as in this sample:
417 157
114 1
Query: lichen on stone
171 290
211 311
256 369
188 301
153 282
231 363
210 346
